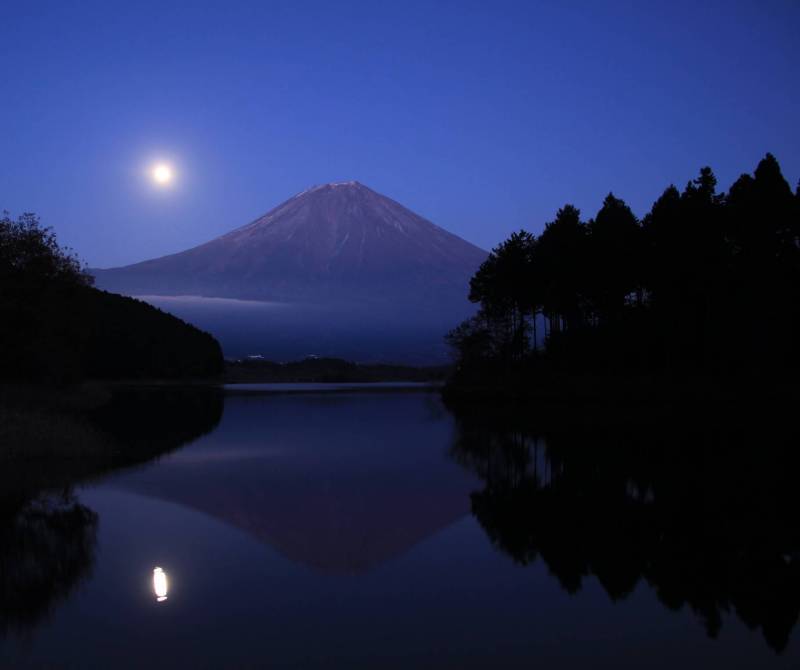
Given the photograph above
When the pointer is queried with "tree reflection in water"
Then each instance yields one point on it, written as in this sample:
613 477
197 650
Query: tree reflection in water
47 541
47 548
704 516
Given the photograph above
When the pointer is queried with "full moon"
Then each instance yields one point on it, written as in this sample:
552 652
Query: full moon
162 174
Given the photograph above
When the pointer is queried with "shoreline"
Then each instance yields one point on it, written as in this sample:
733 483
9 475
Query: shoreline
587 401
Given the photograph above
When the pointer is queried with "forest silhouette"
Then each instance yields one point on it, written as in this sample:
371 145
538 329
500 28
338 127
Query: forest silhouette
55 327
705 283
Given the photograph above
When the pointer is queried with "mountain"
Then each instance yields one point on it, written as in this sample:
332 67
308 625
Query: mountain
339 242
336 270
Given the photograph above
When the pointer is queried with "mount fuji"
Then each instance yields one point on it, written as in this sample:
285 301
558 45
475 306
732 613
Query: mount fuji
335 270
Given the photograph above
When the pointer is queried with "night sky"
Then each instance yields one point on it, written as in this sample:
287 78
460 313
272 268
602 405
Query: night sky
481 116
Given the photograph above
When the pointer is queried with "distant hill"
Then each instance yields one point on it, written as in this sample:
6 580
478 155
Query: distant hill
345 264
328 370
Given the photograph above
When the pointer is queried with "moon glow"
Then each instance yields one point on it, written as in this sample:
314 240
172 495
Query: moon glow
162 174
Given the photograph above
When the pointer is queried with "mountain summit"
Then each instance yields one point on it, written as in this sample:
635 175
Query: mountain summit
339 242
337 270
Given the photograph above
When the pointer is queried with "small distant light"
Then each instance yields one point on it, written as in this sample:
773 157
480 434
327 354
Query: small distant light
160 585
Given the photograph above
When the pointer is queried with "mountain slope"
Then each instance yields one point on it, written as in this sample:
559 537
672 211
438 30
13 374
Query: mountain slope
338 242
337 270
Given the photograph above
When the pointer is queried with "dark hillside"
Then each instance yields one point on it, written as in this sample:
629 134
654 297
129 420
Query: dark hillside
55 327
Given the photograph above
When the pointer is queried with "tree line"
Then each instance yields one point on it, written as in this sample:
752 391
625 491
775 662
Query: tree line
706 281
55 326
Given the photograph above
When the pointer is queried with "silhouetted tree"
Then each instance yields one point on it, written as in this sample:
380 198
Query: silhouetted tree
615 258
561 276
706 283
761 223
502 285
54 326
31 258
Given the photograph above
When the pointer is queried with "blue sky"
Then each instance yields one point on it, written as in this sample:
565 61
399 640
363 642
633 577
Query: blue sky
482 116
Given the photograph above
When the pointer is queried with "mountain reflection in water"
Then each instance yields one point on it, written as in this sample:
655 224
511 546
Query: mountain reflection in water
707 517
320 478
351 530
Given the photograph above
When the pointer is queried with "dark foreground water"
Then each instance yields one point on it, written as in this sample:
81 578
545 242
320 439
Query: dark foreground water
379 530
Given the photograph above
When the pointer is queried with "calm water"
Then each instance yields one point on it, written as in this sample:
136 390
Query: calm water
379 530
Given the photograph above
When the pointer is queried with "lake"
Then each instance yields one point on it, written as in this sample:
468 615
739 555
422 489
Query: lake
355 529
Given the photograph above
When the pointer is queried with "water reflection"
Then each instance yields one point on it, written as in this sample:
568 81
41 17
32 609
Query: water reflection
132 427
47 540
366 539
160 584
339 483
47 548
707 517
145 422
